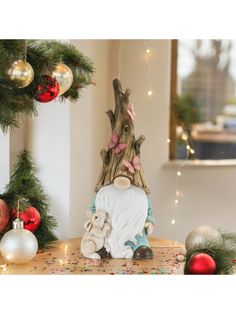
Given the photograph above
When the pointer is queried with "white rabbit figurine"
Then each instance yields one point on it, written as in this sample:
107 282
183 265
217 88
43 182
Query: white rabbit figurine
97 227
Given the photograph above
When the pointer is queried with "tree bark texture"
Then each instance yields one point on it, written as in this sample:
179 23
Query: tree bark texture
122 125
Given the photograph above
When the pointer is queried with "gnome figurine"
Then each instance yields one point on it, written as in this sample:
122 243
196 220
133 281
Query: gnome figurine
121 190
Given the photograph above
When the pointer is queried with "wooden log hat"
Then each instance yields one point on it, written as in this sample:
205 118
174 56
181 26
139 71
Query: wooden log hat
122 157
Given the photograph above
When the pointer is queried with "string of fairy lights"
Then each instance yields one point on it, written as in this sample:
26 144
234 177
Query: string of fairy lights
179 172
184 137
147 56
147 60
189 149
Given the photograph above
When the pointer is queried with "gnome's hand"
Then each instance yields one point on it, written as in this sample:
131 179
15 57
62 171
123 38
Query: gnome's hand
149 227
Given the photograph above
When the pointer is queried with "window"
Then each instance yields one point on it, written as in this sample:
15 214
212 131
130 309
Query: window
203 118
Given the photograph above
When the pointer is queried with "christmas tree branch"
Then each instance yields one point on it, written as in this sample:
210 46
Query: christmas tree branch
25 186
43 56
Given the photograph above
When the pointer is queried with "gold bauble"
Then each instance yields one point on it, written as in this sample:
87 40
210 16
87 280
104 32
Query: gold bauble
20 72
64 77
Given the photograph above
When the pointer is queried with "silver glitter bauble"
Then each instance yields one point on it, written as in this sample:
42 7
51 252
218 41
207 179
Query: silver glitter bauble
201 236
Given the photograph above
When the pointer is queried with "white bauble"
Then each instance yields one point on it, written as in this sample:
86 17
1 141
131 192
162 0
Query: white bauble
18 246
201 236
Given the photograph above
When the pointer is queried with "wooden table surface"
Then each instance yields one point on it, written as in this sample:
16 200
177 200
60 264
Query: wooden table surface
64 258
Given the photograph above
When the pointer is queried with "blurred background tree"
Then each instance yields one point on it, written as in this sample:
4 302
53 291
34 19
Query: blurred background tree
210 81
187 112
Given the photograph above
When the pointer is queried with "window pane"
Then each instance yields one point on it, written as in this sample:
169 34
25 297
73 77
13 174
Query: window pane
206 104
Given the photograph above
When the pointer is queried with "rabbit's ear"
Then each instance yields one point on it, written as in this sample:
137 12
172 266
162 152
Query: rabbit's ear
89 214
88 225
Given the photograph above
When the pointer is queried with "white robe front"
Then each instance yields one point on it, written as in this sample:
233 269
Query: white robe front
127 210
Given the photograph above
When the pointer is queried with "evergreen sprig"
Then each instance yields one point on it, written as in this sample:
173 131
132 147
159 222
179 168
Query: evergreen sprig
223 253
43 57
25 185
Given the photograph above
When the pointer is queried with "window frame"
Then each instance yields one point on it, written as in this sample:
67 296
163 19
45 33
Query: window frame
172 121
173 97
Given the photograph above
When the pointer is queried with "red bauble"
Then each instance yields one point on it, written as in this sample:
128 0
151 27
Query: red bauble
48 90
31 218
202 264
4 215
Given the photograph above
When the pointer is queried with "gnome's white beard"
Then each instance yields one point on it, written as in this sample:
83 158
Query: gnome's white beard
127 210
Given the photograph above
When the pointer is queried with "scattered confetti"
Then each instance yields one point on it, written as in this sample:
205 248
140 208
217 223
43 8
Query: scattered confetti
180 258
55 261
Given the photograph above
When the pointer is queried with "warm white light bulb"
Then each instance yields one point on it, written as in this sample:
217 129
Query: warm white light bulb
149 93
192 151
168 140
188 147
66 248
176 202
178 173
177 193
147 50
3 267
173 221
184 137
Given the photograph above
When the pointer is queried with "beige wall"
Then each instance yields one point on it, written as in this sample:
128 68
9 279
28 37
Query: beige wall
4 160
89 132
17 139
66 140
11 143
48 140
208 199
